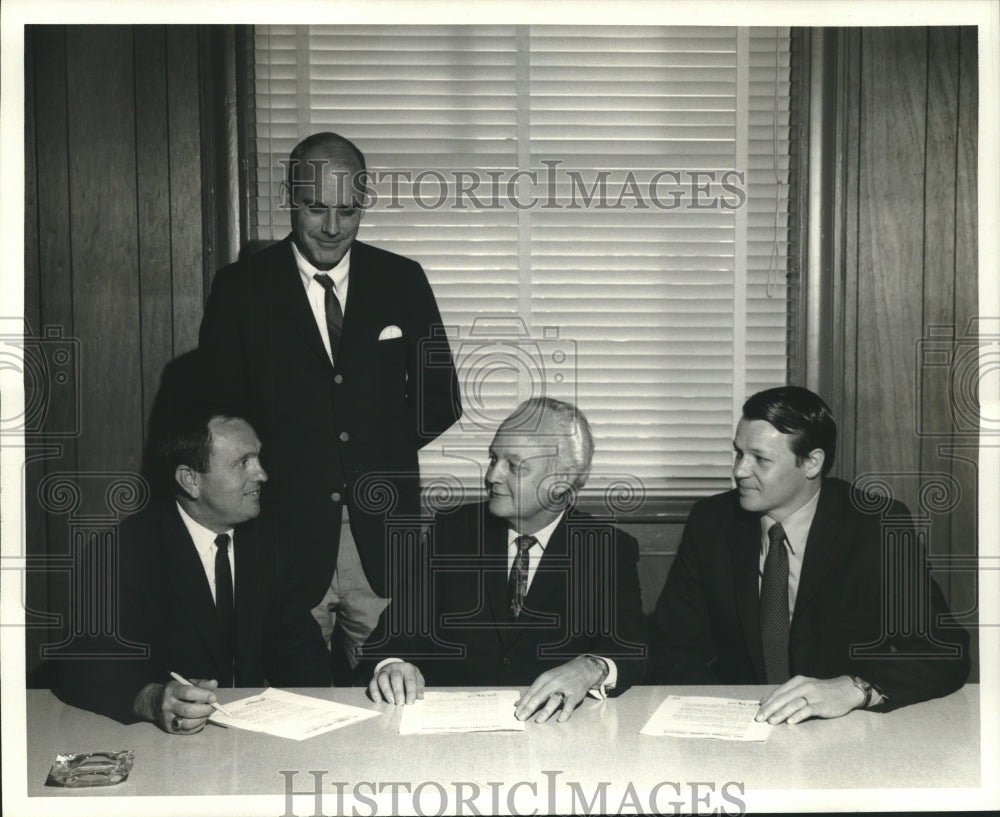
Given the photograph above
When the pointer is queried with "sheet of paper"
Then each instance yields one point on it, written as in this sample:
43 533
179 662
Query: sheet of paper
484 710
720 718
290 715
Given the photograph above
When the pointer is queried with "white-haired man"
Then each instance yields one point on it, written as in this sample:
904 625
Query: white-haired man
524 589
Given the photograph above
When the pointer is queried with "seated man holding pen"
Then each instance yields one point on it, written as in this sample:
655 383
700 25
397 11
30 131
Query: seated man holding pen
198 587
523 590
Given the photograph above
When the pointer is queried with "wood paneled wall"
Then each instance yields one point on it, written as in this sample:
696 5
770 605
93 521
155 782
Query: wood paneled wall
119 162
906 280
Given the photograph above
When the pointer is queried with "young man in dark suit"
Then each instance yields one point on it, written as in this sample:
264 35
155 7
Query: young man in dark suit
198 588
792 579
335 350
524 589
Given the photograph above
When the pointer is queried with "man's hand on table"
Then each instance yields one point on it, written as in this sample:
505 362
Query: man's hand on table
397 683
562 688
177 708
801 697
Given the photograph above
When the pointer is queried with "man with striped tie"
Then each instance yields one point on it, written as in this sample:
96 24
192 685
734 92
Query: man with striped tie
526 589
797 580
336 351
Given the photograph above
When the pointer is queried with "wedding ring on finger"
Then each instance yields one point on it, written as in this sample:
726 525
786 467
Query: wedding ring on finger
177 723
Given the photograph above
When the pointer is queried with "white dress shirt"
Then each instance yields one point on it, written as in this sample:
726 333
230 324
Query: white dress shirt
204 543
315 292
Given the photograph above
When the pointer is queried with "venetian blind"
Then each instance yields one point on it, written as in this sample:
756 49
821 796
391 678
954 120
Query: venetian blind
600 211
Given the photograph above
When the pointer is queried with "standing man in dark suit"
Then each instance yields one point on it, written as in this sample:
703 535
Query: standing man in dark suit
196 588
789 580
336 351
526 590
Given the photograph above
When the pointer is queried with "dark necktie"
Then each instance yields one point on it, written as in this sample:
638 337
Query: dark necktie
774 623
334 314
517 582
224 607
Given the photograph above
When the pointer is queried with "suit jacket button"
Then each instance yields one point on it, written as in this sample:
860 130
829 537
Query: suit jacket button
506 660
338 379
335 496
344 436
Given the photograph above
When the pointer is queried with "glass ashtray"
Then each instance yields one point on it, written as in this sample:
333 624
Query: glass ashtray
85 769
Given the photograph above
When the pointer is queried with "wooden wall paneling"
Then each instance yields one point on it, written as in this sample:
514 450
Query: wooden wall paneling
966 225
847 147
938 284
802 50
245 127
105 247
35 585
964 527
966 242
219 148
211 196
49 266
185 185
52 151
32 293
153 203
939 216
890 252
55 270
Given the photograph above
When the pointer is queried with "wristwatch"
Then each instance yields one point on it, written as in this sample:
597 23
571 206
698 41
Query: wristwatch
870 691
599 687
600 664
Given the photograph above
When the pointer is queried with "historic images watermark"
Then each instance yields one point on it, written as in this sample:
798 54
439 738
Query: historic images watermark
49 365
552 186
368 798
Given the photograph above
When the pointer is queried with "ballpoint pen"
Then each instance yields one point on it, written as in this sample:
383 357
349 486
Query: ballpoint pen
215 705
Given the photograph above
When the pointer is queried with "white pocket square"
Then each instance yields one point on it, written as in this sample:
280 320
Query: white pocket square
390 332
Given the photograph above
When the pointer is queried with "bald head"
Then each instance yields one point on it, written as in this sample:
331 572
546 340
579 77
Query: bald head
331 147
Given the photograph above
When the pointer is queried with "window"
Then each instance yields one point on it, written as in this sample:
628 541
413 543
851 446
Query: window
600 211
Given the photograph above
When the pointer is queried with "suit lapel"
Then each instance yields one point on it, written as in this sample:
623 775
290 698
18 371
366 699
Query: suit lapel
188 583
824 549
551 578
291 305
248 596
745 544
364 305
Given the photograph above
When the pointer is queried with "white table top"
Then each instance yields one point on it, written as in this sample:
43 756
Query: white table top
934 744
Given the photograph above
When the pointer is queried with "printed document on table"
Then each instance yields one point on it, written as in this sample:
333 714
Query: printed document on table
289 715
720 718
484 710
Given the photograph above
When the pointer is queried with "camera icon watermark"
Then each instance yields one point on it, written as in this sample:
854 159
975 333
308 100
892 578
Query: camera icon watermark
50 367
500 364
966 367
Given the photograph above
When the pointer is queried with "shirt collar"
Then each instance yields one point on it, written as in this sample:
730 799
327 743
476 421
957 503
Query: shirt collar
203 538
796 525
542 535
338 274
